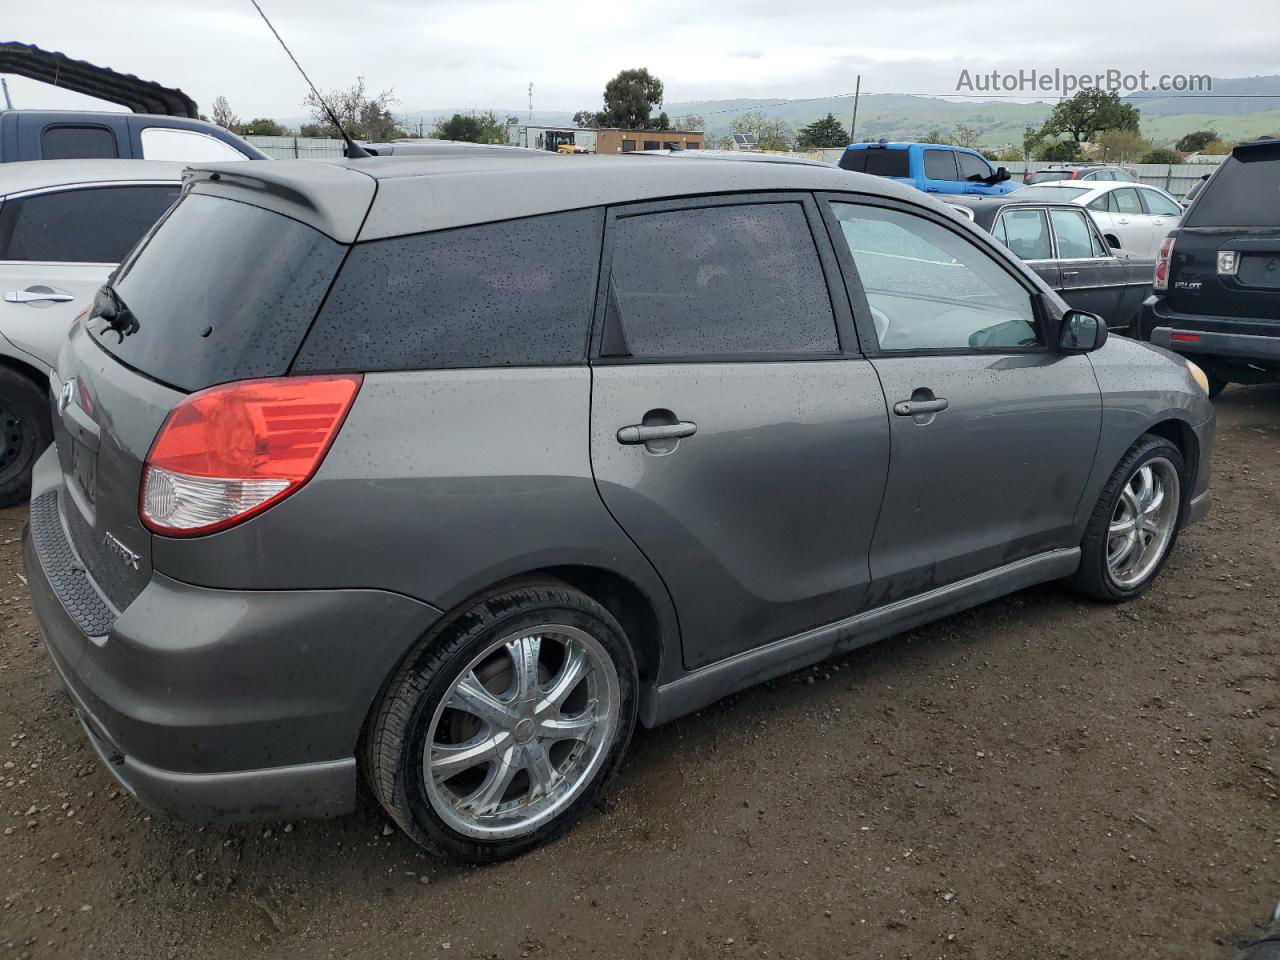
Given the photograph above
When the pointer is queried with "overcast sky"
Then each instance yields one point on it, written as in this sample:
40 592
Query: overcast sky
484 53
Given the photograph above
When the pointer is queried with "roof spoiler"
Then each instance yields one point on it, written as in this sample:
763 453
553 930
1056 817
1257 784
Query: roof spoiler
1264 148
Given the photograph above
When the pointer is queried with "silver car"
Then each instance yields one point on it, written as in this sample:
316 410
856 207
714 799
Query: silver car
64 225
445 472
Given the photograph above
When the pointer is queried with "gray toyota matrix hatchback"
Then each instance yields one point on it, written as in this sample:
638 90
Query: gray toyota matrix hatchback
446 470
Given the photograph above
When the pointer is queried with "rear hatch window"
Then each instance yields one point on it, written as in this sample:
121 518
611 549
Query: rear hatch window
1245 192
220 291
878 162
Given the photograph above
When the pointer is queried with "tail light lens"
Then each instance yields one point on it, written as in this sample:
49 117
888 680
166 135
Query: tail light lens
230 452
1163 259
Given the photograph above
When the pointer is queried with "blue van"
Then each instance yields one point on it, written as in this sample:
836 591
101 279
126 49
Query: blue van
931 167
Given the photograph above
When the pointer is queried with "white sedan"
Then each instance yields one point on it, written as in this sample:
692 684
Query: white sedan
1132 216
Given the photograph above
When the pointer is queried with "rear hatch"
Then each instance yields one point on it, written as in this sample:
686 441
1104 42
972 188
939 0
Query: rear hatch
1237 212
221 290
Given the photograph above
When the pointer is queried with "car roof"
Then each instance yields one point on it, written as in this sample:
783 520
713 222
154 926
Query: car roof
37 174
985 209
415 194
904 144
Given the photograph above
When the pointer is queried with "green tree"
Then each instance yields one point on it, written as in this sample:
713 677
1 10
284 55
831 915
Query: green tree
629 99
934 136
827 132
1196 141
1121 145
587 118
473 127
266 127
771 133
1088 112
1059 151
1160 155
1032 138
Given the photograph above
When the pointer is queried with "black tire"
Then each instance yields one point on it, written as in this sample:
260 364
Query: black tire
1094 577
1216 384
392 754
25 432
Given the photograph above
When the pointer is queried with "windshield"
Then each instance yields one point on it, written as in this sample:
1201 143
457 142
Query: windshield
221 291
1056 193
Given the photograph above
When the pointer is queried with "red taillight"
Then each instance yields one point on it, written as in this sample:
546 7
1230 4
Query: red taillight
229 452
1163 259
1184 337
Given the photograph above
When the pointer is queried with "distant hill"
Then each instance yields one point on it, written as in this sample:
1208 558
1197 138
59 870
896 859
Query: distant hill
901 116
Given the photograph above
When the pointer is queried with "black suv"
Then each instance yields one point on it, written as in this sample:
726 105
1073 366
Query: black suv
1217 282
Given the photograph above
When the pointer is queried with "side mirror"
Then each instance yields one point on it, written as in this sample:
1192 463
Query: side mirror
1002 174
1081 332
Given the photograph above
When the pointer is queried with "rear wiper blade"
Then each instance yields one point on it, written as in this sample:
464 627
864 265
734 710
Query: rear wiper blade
108 306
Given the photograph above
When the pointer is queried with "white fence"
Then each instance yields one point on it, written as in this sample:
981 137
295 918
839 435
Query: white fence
294 148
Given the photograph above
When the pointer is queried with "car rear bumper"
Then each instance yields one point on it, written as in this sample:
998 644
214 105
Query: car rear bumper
217 705
1243 339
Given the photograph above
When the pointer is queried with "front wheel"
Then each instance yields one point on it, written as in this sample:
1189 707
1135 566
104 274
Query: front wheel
25 431
499 730
1135 523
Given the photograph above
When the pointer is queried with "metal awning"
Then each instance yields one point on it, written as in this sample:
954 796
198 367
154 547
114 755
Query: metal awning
140 96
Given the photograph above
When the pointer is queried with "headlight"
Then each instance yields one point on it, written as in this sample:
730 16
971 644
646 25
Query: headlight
1199 377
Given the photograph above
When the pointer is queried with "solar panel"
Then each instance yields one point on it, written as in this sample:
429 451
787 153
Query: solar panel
745 141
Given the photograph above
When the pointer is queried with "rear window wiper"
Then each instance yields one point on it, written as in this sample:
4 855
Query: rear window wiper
108 306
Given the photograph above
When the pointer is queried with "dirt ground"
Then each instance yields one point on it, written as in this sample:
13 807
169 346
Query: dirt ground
1040 777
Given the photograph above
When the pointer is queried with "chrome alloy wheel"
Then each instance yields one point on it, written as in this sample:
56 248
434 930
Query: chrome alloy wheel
1144 522
522 732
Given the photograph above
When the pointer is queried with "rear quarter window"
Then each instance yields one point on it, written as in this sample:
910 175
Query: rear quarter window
65 142
515 293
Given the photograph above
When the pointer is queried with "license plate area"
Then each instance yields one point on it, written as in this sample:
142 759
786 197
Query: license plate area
84 470
1260 271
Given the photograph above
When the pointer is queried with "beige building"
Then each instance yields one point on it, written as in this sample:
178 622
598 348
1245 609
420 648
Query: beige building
614 140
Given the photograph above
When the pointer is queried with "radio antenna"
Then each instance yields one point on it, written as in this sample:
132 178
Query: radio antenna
353 149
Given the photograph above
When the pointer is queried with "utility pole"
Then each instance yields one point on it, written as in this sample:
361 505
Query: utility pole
853 124
531 101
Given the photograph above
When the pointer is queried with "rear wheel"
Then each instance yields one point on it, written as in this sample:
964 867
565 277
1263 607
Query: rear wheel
25 431
497 733
1135 522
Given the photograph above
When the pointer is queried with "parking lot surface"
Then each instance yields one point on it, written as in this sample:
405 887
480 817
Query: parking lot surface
1039 777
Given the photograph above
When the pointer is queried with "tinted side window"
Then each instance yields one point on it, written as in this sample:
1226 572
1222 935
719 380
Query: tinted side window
1126 200
1121 175
940 165
877 162
1103 203
930 288
718 281
513 293
1026 234
77 143
1074 239
88 225
973 168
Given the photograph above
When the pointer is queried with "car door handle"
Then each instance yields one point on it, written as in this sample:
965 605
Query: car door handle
639 433
1122 219
911 408
1071 273
33 295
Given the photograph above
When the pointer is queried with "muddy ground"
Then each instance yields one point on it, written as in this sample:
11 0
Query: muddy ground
1040 777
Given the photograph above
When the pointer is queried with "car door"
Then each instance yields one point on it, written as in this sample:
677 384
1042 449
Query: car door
1025 231
993 432
941 175
57 247
1163 213
1092 279
1130 221
736 434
